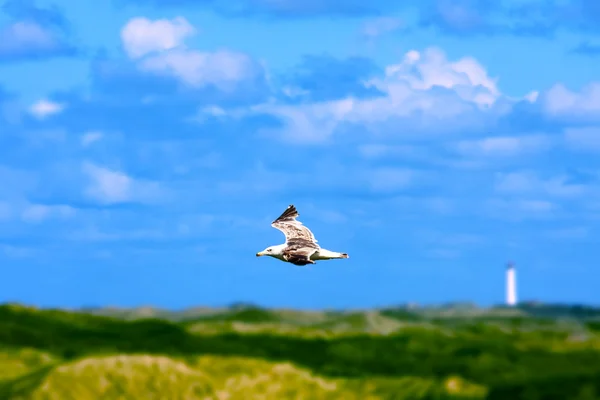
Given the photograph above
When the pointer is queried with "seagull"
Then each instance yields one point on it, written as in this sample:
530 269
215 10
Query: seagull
300 247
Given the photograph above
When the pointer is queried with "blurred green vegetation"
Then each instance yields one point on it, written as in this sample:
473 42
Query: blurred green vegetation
245 352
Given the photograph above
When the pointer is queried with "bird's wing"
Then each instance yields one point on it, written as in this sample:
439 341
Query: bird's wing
295 233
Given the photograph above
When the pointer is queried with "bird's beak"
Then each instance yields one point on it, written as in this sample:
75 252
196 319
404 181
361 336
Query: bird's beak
260 253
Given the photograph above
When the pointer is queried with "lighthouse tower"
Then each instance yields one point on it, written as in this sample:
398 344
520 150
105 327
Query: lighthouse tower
511 285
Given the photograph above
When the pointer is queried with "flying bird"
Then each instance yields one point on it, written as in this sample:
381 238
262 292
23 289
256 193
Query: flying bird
300 247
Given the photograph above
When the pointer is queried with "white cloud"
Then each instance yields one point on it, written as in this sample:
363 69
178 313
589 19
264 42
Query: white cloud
45 108
425 70
107 185
207 112
515 182
17 207
25 34
17 251
503 146
536 205
560 101
518 209
90 137
587 138
378 26
532 96
40 212
222 68
158 46
531 183
94 234
327 176
377 150
293 91
311 122
141 36
423 92
214 111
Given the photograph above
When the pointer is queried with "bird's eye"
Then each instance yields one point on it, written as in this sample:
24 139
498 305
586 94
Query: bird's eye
269 250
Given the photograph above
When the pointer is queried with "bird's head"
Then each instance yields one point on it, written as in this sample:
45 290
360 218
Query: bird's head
273 251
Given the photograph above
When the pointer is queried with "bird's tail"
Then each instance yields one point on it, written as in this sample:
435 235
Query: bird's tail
324 254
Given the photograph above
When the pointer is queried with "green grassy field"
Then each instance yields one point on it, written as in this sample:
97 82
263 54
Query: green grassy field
246 352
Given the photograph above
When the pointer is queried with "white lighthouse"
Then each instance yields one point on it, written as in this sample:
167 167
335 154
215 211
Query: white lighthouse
511 285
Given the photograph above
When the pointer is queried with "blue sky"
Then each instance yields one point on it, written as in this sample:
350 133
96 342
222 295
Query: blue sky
146 145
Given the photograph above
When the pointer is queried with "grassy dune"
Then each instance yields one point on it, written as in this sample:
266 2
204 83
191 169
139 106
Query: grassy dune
209 377
251 353
15 362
